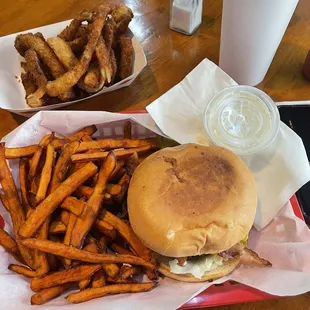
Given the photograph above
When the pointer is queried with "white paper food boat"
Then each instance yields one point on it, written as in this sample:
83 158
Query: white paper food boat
12 93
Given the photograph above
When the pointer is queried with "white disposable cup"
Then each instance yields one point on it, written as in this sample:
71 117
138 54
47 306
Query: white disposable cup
251 33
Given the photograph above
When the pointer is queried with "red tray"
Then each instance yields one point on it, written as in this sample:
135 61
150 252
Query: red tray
229 292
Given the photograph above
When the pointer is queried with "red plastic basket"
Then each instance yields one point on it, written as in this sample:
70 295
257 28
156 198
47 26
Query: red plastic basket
229 292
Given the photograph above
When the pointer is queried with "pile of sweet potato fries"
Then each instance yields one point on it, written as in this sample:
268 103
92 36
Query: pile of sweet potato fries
71 226
92 52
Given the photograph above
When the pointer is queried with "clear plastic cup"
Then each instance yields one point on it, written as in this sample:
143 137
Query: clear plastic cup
243 119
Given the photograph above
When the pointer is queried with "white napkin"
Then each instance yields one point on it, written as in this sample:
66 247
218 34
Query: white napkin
280 170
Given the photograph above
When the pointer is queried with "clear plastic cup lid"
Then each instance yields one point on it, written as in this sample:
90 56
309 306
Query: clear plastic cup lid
241 118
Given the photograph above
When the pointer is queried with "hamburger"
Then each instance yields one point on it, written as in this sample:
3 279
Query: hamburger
194 206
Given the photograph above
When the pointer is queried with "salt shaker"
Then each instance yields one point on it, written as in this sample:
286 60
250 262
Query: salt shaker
185 15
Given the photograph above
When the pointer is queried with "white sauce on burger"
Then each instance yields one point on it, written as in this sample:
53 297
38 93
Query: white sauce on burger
197 266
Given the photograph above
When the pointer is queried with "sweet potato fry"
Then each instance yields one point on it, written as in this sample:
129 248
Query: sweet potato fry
57 239
10 245
102 155
98 279
46 174
64 216
24 182
119 280
89 214
40 258
102 244
66 251
57 278
47 294
105 228
108 144
73 205
112 189
91 247
131 164
119 164
37 155
91 151
48 205
84 191
57 227
120 250
62 165
127 130
75 167
22 270
124 180
127 233
111 270
86 138
124 183
129 271
5 202
18 152
110 289
151 274
67 238
89 130
34 185
15 208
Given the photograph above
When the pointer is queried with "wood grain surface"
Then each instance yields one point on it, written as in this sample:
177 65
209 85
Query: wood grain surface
170 57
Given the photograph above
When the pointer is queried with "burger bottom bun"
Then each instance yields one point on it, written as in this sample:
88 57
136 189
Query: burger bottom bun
217 273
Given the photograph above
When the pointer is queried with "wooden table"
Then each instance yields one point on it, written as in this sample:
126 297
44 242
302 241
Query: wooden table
170 57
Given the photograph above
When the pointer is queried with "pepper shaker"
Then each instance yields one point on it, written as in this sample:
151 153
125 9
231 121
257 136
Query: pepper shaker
185 15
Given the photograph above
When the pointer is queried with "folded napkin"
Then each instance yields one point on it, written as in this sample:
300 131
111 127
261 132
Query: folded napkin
280 170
